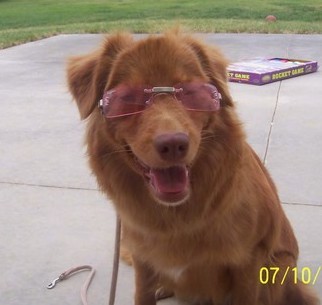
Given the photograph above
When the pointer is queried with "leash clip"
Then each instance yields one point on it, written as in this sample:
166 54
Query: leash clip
55 281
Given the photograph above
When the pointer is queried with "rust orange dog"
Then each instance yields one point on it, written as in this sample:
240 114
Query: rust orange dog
200 213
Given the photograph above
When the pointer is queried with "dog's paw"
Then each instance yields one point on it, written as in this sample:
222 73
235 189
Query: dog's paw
163 293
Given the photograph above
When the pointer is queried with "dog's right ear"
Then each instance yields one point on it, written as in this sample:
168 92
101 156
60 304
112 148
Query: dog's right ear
87 75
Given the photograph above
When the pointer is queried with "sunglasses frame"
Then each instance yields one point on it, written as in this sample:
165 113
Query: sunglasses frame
154 91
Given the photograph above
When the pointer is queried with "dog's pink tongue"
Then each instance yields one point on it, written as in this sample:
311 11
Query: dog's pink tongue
170 180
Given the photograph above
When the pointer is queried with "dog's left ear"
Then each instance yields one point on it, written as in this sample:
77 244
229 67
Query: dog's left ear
87 75
214 65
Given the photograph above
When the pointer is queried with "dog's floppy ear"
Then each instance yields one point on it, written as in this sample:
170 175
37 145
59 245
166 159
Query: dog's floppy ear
87 74
214 65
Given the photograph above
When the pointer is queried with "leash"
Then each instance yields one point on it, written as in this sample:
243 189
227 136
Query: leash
66 274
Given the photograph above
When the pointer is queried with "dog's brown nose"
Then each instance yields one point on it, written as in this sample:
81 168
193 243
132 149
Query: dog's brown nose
172 146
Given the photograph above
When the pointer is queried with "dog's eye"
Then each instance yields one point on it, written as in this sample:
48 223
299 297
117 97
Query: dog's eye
189 92
199 97
131 96
191 89
123 101
127 98
195 92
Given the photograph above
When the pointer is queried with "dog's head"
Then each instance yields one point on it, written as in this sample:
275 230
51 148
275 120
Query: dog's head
159 100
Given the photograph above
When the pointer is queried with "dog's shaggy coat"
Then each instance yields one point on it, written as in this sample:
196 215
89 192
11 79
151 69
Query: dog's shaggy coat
208 244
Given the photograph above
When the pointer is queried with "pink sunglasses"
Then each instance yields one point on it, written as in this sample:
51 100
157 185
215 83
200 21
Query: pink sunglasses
125 100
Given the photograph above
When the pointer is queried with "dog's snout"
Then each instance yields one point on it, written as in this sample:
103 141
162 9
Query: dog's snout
172 146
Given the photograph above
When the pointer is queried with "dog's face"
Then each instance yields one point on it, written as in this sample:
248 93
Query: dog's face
159 98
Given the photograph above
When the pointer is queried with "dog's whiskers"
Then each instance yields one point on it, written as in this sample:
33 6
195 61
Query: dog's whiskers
117 151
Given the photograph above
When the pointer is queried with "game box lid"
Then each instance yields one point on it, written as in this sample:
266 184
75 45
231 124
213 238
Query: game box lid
263 71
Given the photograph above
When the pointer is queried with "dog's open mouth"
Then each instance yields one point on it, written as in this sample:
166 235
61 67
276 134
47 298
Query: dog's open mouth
169 185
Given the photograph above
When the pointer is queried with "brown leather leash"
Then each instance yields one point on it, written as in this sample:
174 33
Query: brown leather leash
66 274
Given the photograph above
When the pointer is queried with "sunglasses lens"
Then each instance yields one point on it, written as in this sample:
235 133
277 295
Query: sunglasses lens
200 97
124 101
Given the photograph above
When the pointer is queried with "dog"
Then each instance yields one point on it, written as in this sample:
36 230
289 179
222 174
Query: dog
200 213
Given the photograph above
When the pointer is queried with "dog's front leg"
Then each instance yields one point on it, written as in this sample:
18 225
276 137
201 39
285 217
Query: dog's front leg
145 283
246 288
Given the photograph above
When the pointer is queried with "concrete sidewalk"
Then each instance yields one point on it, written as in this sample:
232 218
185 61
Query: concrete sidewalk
51 215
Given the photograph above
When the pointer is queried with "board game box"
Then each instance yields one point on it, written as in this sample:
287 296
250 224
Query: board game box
263 71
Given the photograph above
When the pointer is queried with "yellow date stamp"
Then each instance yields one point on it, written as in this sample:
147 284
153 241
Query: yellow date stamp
276 275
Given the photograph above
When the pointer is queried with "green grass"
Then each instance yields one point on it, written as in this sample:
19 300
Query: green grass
22 20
